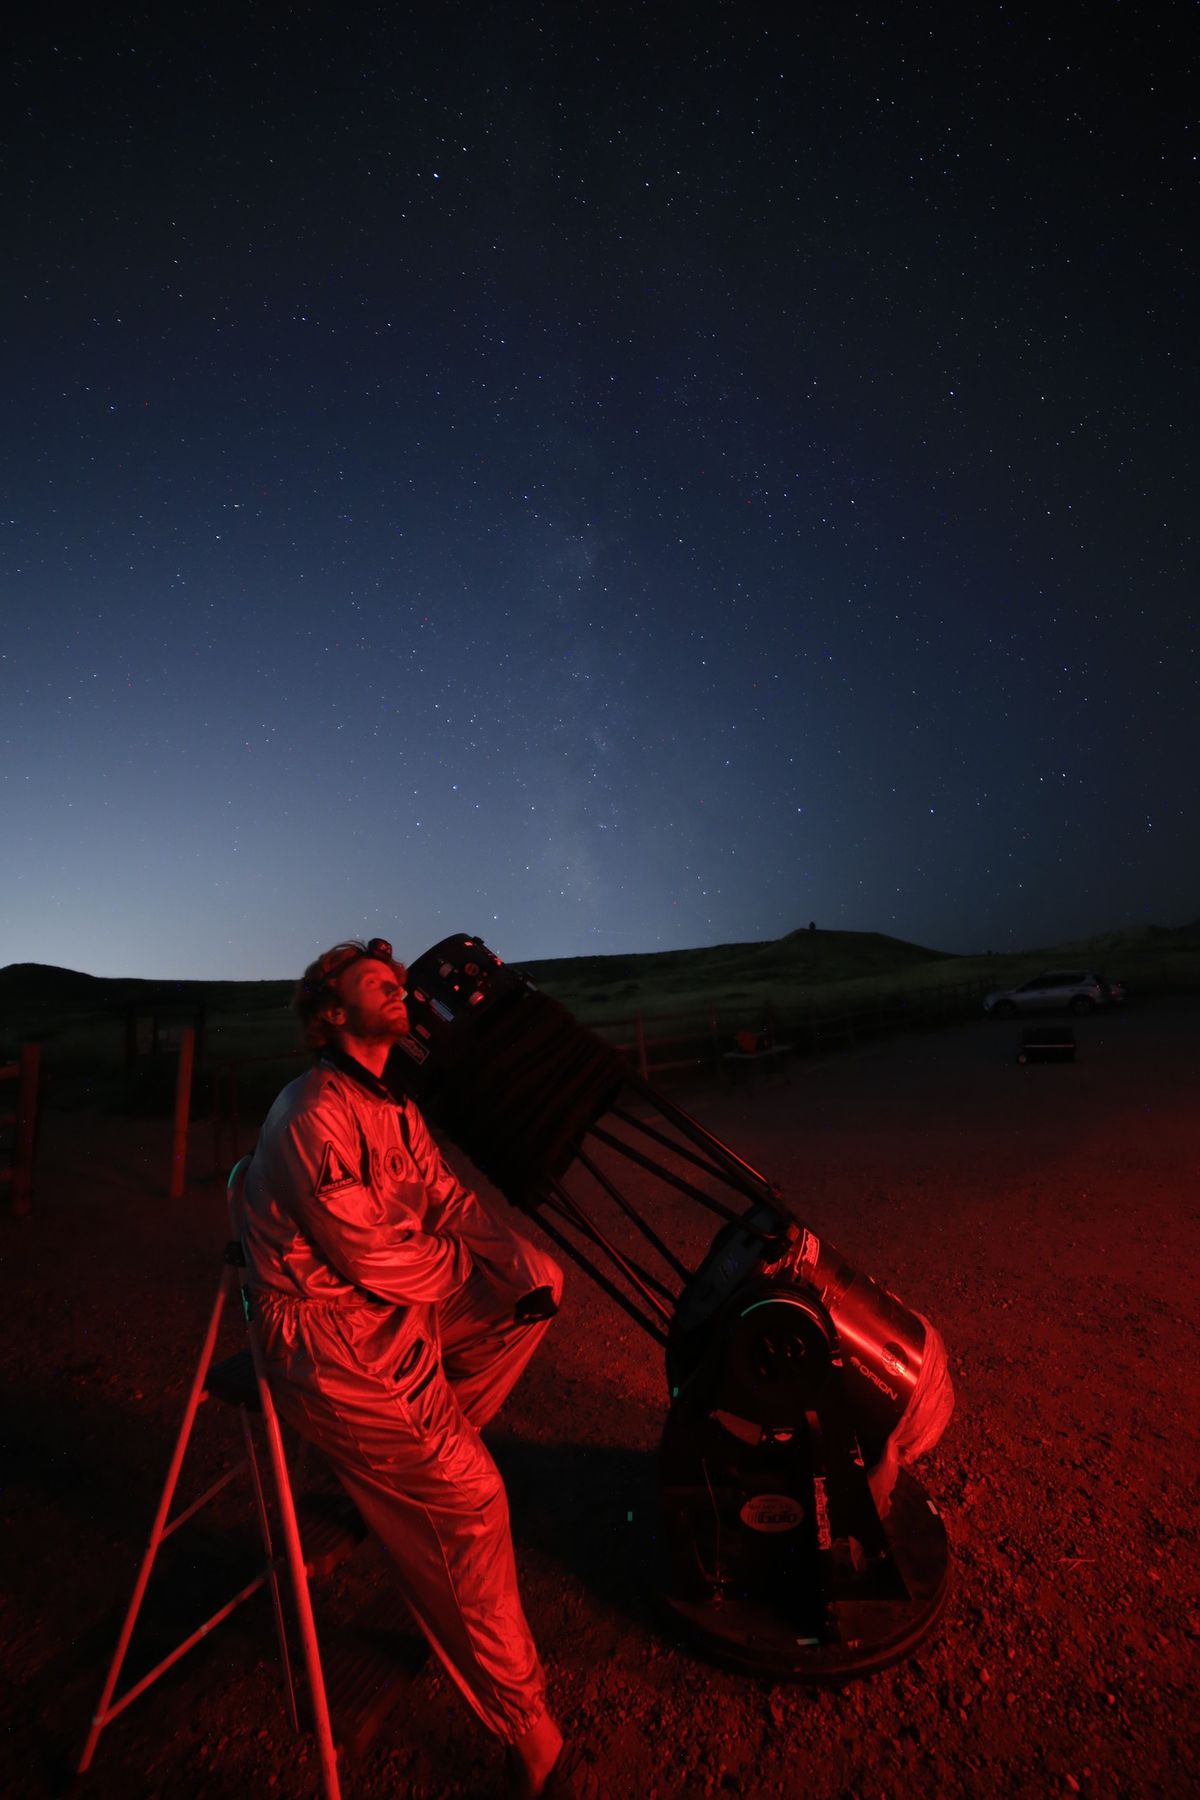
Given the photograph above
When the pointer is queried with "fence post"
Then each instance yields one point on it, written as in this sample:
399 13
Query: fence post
183 1107
218 1136
640 1029
233 1097
26 1132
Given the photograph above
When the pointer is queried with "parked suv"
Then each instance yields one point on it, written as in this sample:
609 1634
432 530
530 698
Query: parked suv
1059 990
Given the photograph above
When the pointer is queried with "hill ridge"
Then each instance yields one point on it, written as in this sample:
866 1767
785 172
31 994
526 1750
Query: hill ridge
810 955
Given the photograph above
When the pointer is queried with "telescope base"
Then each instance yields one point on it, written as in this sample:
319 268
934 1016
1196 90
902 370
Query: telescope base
854 1637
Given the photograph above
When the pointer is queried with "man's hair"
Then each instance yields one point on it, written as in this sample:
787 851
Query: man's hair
316 990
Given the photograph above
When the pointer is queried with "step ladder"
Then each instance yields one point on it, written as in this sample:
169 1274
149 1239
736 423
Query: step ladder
355 1687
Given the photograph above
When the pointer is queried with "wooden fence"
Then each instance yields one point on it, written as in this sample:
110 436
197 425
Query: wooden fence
688 1040
698 1038
228 1095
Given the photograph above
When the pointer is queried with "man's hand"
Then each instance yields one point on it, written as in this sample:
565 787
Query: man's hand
538 1303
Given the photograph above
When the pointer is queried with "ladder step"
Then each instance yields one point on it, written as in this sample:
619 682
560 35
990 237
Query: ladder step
331 1529
233 1382
367 1671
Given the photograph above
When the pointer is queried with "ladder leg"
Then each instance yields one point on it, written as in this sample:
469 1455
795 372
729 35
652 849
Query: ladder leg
101 1716
326 1753
264 1526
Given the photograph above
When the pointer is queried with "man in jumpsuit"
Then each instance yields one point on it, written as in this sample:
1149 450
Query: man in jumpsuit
395 1314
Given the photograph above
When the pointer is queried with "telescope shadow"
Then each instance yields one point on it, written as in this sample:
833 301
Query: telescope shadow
592 1510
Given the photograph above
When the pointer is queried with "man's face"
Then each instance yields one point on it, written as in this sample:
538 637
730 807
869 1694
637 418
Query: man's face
372 1001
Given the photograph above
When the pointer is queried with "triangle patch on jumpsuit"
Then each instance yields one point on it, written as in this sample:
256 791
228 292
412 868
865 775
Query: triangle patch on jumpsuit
336 1173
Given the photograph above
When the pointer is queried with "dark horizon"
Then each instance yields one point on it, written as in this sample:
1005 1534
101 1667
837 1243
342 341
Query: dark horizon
934 951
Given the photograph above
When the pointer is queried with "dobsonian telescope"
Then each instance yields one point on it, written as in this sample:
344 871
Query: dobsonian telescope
798 1542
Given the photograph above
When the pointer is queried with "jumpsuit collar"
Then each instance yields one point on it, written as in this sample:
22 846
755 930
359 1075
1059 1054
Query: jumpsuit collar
350 1065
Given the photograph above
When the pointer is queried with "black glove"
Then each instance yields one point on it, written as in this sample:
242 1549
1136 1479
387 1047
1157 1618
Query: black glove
538 1303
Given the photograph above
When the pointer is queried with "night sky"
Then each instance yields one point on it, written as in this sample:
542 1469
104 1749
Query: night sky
607 477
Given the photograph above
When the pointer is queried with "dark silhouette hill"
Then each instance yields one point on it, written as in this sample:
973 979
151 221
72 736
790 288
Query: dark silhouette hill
804 959
806 955
809 956
32 985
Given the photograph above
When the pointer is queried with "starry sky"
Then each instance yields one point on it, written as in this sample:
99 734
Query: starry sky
604 476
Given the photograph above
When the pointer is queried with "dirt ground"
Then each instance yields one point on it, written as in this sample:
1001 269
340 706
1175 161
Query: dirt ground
1046 1218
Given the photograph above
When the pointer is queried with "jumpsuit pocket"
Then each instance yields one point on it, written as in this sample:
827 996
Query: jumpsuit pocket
407 1379
409 1360
407 1367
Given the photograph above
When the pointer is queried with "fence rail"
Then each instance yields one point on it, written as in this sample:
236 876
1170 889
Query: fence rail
691 1039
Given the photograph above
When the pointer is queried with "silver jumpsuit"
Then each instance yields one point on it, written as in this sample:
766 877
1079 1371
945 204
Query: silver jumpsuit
387 1298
